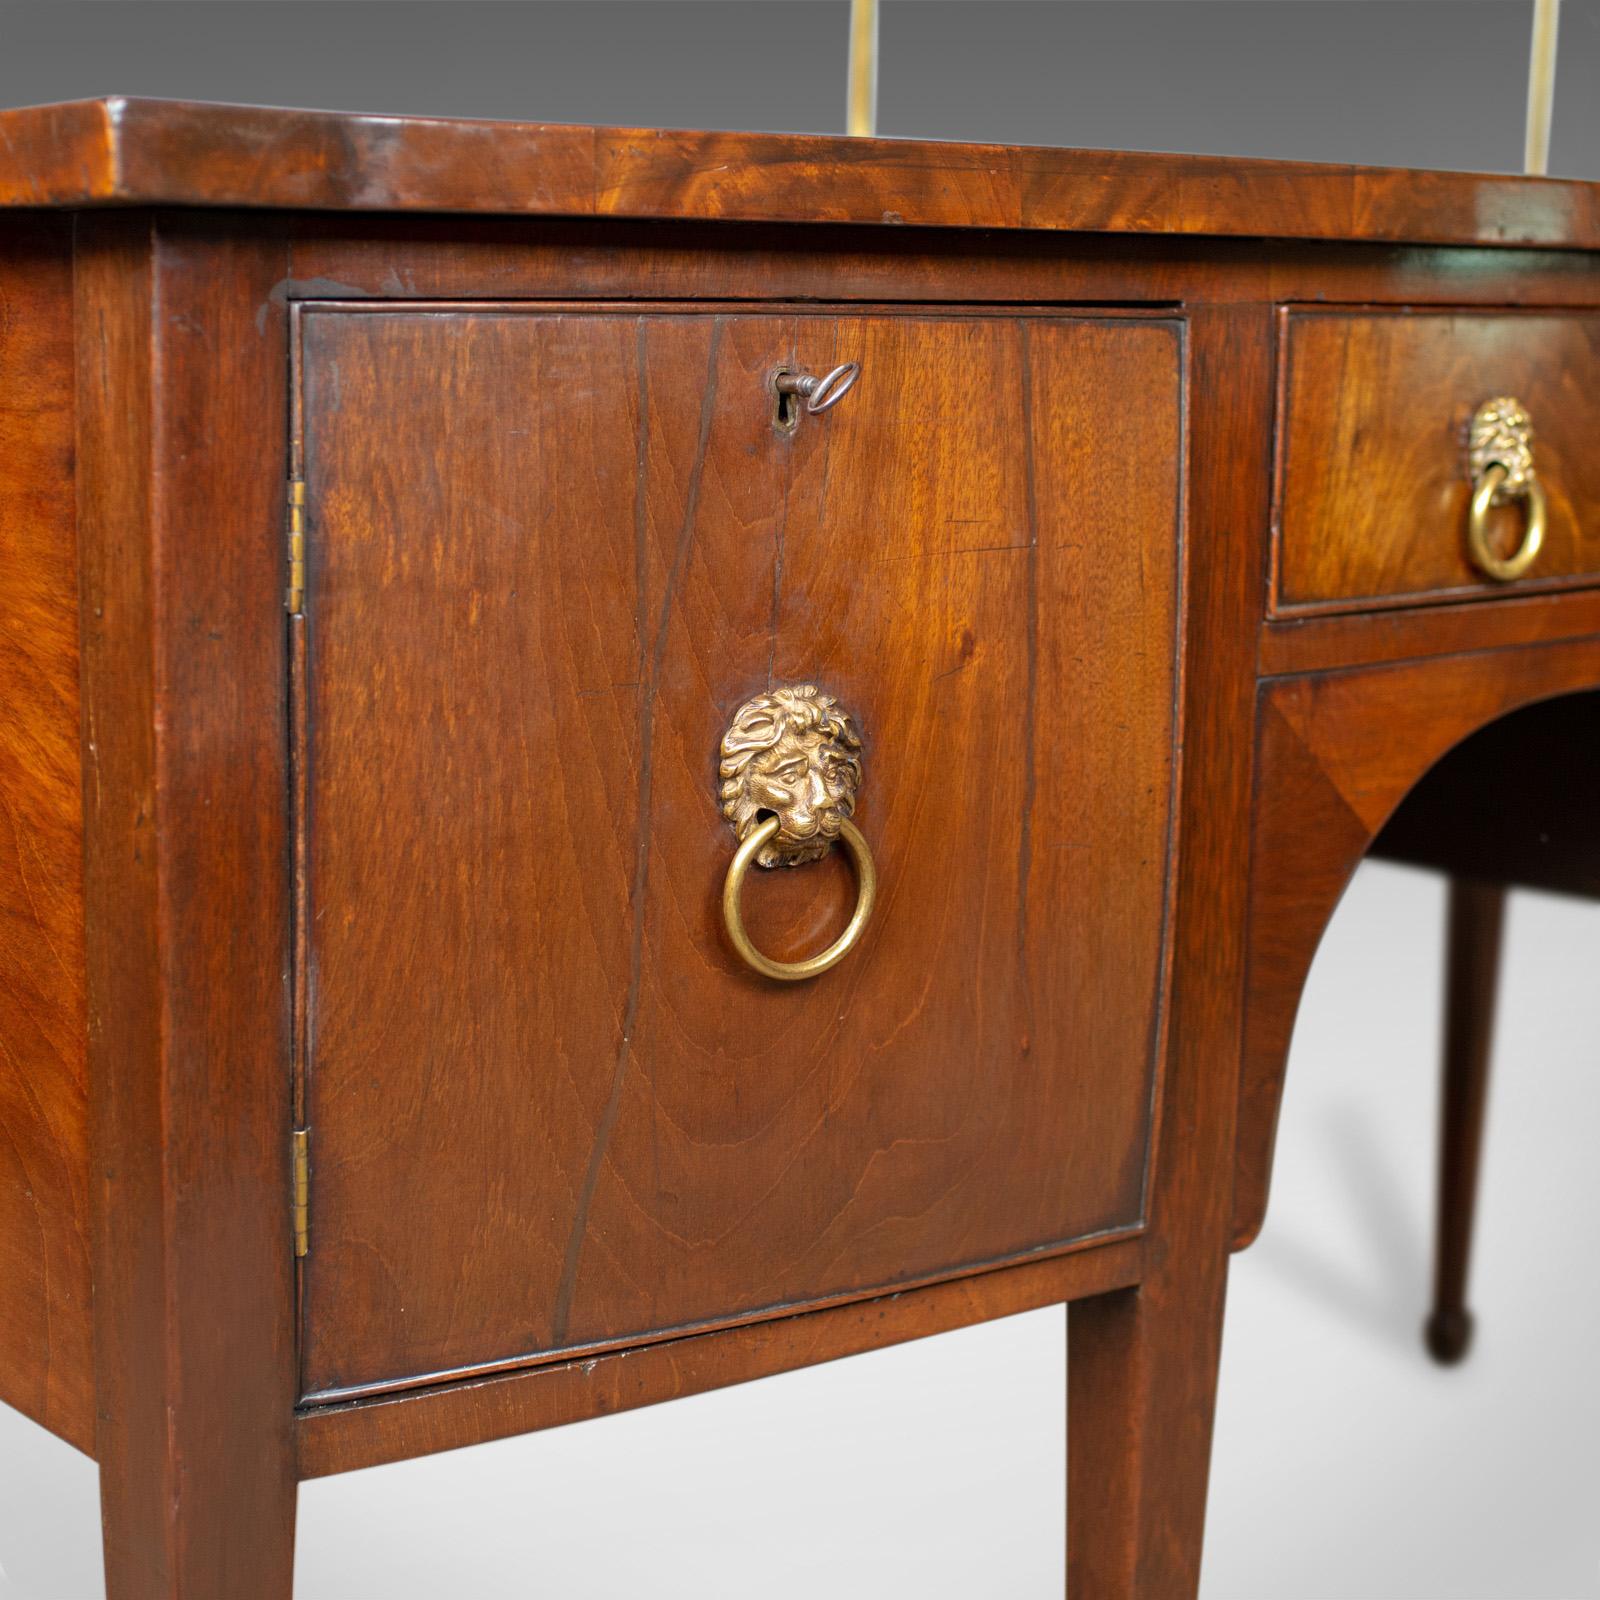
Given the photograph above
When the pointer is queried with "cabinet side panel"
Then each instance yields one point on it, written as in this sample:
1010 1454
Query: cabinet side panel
45 1331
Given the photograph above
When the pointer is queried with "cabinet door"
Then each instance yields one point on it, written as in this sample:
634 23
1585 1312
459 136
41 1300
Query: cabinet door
551 552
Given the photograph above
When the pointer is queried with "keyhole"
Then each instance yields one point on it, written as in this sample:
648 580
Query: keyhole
786 407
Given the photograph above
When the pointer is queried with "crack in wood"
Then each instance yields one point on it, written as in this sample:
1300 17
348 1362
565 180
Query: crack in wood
641 861
1031 699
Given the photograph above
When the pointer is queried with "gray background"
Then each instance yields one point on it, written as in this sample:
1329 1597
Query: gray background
1404 82
1347 1468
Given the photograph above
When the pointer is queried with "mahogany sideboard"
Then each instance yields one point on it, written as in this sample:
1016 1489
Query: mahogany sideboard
447 563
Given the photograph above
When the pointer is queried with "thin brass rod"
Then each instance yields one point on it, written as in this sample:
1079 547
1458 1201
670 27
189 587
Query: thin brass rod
1541 85
861 116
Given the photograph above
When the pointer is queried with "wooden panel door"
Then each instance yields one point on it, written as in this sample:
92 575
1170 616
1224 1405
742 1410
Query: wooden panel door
551 551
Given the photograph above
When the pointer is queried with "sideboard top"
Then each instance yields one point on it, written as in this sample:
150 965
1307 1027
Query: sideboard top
117 151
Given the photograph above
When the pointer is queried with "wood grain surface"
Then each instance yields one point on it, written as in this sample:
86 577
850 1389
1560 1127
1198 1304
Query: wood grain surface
1336 753
181 439
46 1336
124 151
551 553
567 1155
1365 638
1142 1363
366 1433
1373 485
428 257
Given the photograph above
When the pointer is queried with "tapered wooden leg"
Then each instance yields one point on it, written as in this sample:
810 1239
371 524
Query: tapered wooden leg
187 908
1142 1363
1141 1395
226 1530
1476 916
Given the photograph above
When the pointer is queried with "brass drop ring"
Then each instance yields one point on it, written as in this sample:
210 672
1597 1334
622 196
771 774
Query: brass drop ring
1485 489
792 971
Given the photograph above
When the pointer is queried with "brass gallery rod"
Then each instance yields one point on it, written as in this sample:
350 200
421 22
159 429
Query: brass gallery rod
1541 85
861 115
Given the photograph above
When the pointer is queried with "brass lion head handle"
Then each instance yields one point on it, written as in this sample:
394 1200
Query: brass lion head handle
1500 461
791 765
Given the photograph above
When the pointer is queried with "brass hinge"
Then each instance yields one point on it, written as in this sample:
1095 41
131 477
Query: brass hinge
295 598
302 1190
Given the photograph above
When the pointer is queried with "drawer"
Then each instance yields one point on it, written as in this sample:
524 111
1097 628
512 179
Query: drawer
551 552
1375 485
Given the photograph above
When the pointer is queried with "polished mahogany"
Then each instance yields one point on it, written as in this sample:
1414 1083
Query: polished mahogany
400 509
1373 458
520 661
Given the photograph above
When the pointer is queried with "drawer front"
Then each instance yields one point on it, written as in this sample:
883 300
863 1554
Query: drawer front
1375 484
551 552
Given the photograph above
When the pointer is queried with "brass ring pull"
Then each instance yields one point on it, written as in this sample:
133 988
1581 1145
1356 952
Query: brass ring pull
791 765
820 393
1504 569
792 971
1500 459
